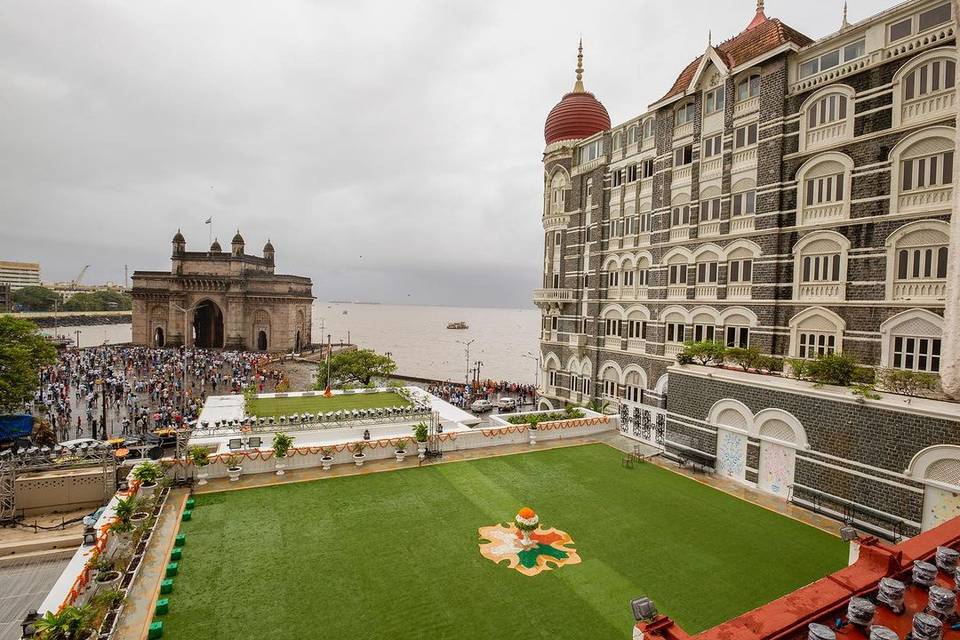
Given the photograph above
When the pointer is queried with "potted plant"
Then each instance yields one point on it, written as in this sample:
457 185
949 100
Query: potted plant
200 457
420 435
401 451
281 445
532 430
233 467
147 473
123 524
326 459
69 623
358 455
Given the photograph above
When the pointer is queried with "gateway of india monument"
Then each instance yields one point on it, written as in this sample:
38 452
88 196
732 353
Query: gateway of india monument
222 299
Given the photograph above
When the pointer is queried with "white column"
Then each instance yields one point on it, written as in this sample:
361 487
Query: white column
950 364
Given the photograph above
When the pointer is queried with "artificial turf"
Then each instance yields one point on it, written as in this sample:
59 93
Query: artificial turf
264 407
395 555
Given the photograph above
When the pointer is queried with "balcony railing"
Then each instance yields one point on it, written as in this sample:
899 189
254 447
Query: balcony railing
554 295
813 291
739 291
711 168
829 212
643 239
931 197
679 233
706 292
613 293
682 175
672 349
746 107
647 143
709 228
741 223
641 293
683 130
637 345
612 342
677 292
826 134
928 107
744 159
577 339
646 186
920 290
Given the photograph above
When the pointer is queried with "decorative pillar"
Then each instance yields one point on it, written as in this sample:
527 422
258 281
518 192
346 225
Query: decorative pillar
950 364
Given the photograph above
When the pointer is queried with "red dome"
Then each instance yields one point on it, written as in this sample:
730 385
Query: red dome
578 115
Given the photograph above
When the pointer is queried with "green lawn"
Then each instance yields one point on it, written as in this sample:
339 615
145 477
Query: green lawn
264 407
395 555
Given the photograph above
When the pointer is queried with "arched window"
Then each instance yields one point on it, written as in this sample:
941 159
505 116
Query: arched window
677 262
707 271
610 376
917 261
589 192
613 326
705 323
823 185
684 114
737 322
743 205
826 117
923 89
617 140
912 340
643 275
633 135
740 257
551 366
815 332
628 276
820 267
674 330
922 171
710 208
637 319
748 87
558 193
648 129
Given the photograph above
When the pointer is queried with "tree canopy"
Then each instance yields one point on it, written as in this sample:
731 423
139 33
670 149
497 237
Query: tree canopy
99 301
23 351
35 298
357 367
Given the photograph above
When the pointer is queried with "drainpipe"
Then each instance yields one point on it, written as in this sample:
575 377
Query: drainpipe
950 364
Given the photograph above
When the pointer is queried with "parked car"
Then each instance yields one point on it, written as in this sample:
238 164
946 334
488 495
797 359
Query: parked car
506 403
481 406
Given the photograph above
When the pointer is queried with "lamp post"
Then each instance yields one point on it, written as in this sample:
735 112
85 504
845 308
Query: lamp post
476 378
466 376
536 375
183 379
327 392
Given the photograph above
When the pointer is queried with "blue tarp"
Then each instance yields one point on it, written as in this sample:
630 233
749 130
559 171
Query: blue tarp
13 427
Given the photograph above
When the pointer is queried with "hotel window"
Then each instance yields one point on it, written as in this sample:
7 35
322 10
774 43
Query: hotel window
740 271
613 279
552 377
610 388
589 191
612 327
617 140
745 136
934 76
586 385
821 268
646 169
920 22
628 278
675 331
744 204
591 151
632 135
714 100
637 329
713 146
824 189
678 273
748 88
586 280
683 155
632 173
916 353
642 277
681 216
685 114
922 263
648 128
617 178
706 273
827 110
833 58
574 383
556 281
737 337
583 325
816 343
643 222
927 171
703 332
710 210
555 322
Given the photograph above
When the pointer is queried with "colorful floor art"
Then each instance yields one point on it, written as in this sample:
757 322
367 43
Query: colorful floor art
504 542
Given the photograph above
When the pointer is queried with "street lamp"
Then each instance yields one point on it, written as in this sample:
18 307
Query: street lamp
536 375
183 380
466 376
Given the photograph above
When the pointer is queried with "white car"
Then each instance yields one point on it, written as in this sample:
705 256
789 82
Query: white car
480 406
507 403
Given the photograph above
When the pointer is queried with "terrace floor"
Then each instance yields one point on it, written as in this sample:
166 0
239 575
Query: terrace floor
377 557
272 406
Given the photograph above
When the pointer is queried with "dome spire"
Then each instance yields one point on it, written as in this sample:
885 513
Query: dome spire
846 23
759 18
578 85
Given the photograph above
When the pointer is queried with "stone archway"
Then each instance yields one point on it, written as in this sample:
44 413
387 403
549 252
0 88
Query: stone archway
208 325
158 337
261 340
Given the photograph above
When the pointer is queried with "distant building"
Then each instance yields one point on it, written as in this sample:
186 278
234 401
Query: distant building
6 303
20 274
222 299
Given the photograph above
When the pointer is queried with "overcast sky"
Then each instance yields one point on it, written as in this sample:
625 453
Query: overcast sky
390 150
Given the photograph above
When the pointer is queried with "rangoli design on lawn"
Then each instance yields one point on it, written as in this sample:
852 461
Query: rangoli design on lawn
525 546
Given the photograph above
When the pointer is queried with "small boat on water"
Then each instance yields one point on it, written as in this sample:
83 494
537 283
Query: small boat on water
458 325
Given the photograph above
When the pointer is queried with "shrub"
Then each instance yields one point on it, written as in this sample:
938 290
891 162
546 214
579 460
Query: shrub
281 444
769 364
199 455
705 352
864 375
798 368
746 359
420 432
570 413
864 391
232 461
834 368
908 383
683 358
147 472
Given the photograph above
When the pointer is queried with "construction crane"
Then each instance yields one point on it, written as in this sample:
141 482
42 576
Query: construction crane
76 281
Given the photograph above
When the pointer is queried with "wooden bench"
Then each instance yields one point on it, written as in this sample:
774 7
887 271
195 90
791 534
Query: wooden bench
684 455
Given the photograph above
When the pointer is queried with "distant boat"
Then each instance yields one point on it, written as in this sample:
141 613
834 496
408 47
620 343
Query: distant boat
458 325
344 312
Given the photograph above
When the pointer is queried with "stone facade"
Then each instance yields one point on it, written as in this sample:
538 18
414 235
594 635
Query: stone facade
219 299
808 214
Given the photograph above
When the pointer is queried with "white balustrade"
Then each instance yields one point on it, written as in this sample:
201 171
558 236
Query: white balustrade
745 107
739 291
741 223
920 290
812 291
682 131
679 233
937 105
926 198
677 292
744 159
829 212
711 168
706 291
709 228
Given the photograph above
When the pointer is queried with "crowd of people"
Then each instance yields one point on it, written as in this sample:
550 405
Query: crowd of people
463 395
113 391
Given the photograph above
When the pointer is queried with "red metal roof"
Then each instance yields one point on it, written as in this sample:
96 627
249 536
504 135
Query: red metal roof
762 35
578 115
